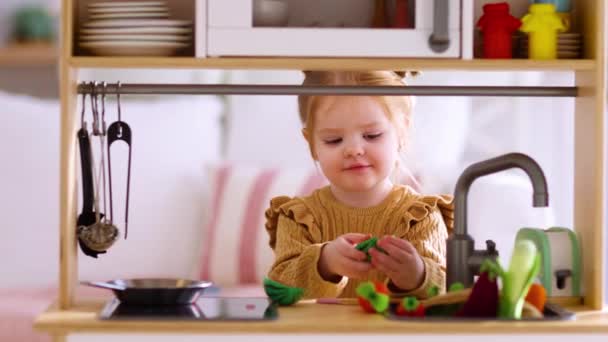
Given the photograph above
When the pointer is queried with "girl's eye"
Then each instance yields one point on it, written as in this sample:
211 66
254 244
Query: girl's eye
372 136
333 141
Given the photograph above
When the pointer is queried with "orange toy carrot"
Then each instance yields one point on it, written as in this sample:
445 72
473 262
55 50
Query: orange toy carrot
537 295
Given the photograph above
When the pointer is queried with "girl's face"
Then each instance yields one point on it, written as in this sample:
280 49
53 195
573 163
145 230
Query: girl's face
355 143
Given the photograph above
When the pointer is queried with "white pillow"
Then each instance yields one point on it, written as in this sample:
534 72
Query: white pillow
234 248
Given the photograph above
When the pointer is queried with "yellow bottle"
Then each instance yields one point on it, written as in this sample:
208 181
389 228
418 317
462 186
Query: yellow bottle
542 24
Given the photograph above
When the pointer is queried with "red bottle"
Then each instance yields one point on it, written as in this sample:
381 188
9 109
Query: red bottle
402 19
497 26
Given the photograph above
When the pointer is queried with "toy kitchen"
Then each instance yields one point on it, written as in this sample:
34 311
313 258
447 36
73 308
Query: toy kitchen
553 283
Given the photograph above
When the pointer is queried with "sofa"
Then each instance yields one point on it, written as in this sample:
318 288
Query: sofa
204 169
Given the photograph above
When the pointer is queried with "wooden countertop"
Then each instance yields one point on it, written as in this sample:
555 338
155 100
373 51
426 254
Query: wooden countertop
312 318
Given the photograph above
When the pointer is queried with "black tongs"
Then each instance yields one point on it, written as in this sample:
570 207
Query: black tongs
119 131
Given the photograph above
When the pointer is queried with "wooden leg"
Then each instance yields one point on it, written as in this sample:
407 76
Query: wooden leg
60 338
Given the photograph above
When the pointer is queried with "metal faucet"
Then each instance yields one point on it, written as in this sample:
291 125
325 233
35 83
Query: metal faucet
463 261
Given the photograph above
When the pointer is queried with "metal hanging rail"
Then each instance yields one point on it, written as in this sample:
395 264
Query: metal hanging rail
259 89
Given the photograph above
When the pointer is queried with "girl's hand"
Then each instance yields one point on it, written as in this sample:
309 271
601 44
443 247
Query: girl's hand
340 258
401 263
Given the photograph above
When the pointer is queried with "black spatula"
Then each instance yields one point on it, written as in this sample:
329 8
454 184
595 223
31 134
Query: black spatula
87 217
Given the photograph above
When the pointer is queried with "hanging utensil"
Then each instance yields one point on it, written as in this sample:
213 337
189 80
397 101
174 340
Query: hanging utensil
98 236
105 231
119 131
101 235
88 216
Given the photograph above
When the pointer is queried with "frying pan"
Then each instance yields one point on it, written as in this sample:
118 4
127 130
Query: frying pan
154 291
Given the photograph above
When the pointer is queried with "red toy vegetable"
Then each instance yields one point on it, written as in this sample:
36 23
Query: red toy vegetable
410 307
373 297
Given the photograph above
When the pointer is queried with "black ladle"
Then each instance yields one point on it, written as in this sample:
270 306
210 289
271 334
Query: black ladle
119 131
87 217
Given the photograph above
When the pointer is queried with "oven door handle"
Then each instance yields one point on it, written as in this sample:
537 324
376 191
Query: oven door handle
439 41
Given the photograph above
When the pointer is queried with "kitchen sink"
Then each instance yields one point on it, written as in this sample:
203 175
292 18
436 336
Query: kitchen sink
552 312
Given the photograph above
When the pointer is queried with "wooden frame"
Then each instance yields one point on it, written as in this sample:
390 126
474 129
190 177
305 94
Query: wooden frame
590 136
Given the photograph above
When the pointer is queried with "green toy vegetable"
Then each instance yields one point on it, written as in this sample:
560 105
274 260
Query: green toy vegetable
373 297
444 310
410 307
523 269
433 291
366 245
282 294
457 286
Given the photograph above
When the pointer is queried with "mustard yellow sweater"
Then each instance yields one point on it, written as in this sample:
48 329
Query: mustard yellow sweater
298 228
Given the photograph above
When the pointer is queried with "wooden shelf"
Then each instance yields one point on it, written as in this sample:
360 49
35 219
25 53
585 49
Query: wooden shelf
304 318
333 63
30 54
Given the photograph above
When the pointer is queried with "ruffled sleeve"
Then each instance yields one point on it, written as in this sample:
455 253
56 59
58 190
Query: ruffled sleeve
425 205
429 219
297 242
290 207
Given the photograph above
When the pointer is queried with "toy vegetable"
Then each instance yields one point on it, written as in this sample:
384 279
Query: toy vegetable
447 304
483 300
497 25
366 245
523 269
282 294
410 307
373 297
542 24
537 296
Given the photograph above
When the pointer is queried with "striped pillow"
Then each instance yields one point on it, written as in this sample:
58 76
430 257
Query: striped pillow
235 247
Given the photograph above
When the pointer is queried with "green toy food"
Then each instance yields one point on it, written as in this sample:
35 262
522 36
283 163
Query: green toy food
433 291
366 245
444 309
457 286
282 294
373 297
523 269
410 307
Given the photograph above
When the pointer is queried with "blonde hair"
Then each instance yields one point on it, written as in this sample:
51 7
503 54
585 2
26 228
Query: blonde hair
397 108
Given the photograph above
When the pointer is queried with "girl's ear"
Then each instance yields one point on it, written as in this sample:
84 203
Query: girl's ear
305 134
309 141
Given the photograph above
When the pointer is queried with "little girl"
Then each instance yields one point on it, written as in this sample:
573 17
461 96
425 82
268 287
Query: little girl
356 141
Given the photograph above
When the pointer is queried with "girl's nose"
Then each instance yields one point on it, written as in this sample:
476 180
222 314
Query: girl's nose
354 149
